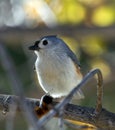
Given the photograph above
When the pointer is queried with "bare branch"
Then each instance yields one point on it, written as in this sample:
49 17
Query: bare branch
64 30
105 120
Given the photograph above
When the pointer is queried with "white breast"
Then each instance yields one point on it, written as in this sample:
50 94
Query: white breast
57 75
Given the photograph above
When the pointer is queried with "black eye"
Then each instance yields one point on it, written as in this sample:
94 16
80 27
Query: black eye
45 42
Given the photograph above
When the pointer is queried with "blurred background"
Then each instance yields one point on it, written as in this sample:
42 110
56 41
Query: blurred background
87 26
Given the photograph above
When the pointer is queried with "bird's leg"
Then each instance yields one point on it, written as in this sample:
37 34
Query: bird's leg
43 107
45 99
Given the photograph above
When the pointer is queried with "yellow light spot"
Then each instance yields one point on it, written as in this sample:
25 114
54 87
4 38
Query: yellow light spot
75 12
71 11
103 16
93 46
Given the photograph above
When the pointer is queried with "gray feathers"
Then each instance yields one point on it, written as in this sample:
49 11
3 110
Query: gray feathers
56 66
55 40
73 57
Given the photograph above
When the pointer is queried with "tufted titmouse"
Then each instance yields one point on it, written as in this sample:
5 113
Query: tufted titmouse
57 67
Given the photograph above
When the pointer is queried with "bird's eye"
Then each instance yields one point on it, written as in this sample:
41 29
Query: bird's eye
45 42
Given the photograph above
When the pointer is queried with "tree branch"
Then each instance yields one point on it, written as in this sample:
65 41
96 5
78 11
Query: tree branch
105 120
25 34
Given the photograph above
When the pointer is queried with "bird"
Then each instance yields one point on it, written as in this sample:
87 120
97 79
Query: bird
57 67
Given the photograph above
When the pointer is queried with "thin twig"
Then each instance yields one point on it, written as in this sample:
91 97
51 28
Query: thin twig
98 107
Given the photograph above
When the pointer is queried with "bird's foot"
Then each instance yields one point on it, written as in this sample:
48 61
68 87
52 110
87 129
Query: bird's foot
44 105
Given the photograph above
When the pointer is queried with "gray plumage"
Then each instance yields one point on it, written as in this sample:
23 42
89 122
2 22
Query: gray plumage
57 66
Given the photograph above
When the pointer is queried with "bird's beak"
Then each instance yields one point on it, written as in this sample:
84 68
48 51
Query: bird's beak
34 47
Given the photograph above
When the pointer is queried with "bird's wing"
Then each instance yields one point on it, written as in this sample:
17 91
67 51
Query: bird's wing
73 57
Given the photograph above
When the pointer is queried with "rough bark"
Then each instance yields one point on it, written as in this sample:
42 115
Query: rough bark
104 121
